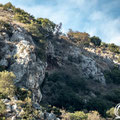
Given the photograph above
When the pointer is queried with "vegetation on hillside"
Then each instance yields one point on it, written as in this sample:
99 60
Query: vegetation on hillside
65 91
113 76
114 48
95 40
7 87
78 37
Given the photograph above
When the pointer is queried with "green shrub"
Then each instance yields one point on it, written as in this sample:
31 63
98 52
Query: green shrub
78 115
99 104
105 45
22 93
114 48
29 113
1 5
22 18
5 27
113 76
8 6
78 37
47 24
110 113
76 83
63 91
2 68
95 40
68 99
34 29
113 96
50 109
2 96
6 83
94 115
2 109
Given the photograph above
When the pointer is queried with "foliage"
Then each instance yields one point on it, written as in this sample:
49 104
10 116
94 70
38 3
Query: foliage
28 110
63 91
105 45
2 68
40 51
2 96
6 83
113 76
42 29
113 96
1 5
78 37
114 48
94 115
29 113
99 104
5 27
48 25
73 82
78 115
110 113
8 6
2 108
36 29
95 40
50 108
22 18
118 59
22 93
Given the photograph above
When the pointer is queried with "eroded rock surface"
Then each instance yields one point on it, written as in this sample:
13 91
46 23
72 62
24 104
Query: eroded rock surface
18 55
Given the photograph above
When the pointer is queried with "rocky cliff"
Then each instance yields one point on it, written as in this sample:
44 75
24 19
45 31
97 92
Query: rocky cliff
18 55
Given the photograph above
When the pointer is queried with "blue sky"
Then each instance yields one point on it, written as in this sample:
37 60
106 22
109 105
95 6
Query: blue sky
97 17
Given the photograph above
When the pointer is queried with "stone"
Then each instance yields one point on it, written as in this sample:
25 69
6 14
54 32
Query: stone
8 108
36 106
4 62
14 107
51 116
13 118
6 100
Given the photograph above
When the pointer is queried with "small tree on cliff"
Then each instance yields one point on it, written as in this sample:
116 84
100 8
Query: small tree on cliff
95 40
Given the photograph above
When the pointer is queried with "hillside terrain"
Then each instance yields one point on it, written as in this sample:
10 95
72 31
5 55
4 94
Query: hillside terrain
48 75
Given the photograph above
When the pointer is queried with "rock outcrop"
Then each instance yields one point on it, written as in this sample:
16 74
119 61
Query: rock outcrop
18 55
64 54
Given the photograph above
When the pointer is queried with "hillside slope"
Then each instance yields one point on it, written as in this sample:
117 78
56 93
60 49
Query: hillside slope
54 69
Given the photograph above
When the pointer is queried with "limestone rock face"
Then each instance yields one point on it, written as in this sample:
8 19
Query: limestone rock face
65 54
18 55
90 69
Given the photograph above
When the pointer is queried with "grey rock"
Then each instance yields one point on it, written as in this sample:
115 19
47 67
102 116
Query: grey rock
8 108
4 62
28 68
13 118
36 106
6 100
51 116
14 107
